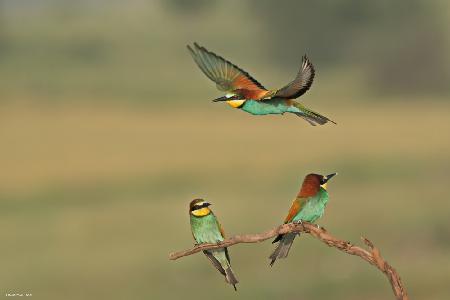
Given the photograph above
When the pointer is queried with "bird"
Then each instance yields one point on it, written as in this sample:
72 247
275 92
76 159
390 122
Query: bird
309 205
246 93
206 229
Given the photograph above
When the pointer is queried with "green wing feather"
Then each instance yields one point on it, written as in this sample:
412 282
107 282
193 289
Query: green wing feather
226 75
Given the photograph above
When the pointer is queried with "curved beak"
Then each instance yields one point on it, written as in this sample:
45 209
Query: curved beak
206 204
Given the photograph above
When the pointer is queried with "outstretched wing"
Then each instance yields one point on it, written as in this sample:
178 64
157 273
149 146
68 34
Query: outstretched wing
227 76
300 84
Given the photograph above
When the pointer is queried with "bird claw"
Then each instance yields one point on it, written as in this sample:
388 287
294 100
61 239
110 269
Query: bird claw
298 222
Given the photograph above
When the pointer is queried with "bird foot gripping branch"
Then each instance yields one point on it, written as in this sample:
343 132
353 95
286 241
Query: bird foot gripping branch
372 255
245 93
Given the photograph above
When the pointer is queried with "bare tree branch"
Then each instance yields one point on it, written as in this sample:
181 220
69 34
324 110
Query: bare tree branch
372 255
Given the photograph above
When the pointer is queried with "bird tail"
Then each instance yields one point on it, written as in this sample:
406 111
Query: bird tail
230 277
310 116
282 250
221 261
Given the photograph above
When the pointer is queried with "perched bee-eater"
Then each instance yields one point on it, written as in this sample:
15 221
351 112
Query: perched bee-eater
245 93
309 205
206 229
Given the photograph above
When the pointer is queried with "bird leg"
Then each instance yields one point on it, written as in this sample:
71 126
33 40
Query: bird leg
299 222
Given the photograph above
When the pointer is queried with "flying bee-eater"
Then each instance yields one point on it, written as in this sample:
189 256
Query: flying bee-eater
309 205
207 229
245 93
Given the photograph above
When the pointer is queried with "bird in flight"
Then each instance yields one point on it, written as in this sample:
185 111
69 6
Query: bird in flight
309 205
206 229
245 93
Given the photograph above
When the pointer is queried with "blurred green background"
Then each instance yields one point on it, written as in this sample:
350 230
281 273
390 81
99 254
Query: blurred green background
108 132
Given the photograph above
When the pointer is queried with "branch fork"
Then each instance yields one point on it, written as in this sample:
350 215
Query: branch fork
371 255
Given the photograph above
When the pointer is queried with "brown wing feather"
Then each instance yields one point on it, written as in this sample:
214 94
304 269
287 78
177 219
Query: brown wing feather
222 232
293 211
296 206
225 74
301 83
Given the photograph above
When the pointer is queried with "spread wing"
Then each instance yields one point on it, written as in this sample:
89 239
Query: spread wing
300 84
227 76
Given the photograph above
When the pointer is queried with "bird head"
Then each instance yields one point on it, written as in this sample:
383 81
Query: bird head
233 100
324 180
199 208
312 184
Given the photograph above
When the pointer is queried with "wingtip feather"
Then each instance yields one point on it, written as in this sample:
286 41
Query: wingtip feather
190 49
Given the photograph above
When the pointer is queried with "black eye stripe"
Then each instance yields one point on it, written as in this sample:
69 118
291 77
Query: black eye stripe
196 206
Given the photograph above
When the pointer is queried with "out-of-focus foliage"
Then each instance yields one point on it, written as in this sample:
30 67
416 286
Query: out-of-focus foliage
194 7
403 46
61 50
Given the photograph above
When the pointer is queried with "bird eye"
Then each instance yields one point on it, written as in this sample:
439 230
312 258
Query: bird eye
198 206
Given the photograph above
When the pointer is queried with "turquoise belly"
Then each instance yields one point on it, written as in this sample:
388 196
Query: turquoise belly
314 208
265 107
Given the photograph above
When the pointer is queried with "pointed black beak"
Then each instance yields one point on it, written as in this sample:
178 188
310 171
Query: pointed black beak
328 177
206 204
225 98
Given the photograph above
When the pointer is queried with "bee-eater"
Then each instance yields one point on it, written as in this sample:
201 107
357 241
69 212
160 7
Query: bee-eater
244 92
206 229
309 205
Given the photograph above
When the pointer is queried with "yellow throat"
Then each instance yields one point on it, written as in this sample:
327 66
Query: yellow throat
201 212
235 103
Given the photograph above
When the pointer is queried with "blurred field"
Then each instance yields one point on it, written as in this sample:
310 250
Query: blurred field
93 199
108 132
